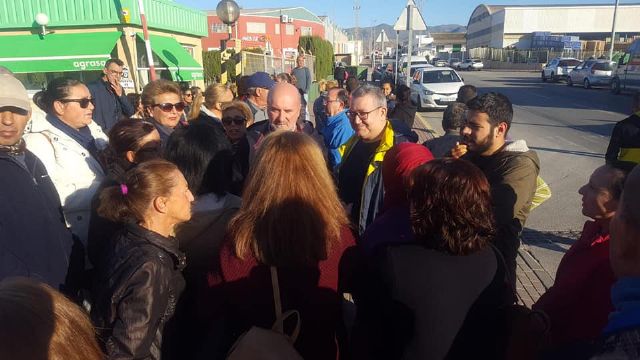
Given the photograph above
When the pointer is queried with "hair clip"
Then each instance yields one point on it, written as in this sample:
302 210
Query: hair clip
124 189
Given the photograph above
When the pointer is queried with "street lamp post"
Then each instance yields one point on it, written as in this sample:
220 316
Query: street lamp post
613 30
228 12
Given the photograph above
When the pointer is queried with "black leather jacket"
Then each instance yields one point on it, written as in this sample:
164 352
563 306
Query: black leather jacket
136 291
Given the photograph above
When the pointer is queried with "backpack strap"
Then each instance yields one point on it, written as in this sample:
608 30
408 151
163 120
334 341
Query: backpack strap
278 326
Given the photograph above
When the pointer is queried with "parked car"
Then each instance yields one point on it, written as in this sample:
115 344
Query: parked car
627 74
441 63
402 77
559 68
454 62
471 64
591 73
435 87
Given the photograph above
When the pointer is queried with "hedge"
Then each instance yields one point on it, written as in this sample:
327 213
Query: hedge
323 52
212 65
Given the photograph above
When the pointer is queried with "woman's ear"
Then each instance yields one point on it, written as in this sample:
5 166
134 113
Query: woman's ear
58 107
130 156
160 204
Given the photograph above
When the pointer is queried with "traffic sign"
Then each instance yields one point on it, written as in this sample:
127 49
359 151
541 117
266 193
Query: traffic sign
417 22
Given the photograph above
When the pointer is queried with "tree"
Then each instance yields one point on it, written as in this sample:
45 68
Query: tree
323 52
212 65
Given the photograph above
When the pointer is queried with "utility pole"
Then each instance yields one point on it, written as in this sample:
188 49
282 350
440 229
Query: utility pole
410 46
147 43
613 30
356 10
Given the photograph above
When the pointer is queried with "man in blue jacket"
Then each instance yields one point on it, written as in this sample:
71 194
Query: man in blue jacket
337 130
111 101
34 240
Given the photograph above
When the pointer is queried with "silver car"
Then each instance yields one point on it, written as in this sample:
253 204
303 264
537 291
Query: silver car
592 73
435 87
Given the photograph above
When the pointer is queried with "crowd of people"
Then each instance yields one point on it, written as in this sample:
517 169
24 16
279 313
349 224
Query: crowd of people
229 223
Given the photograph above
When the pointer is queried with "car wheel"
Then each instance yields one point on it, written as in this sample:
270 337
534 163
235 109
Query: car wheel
544 78
553 77
419 107
587 84
615 86
569 81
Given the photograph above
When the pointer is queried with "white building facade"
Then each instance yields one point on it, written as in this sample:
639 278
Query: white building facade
500 26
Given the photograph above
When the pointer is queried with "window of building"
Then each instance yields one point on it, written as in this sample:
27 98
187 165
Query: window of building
277 28
289 29
305 31
189 48
218 28
256 28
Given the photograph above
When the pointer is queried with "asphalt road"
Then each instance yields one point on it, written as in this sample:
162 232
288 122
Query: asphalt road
569 128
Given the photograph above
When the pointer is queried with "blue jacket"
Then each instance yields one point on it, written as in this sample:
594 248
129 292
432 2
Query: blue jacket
336 133
109 108
34 240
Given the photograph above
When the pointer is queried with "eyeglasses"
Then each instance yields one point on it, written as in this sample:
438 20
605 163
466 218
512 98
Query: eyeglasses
327 101
84 103
238 120
116 72
167 107
364 115
188 95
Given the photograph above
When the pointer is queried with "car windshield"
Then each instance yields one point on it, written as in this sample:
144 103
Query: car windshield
569 63
441 76
602 66
477 60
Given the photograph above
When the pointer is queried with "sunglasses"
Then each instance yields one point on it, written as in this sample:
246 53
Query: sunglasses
84 103
238 120
167 107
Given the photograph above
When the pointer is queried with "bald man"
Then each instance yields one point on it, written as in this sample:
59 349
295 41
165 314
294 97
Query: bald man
283 110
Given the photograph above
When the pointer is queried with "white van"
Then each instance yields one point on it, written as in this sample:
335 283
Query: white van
627 74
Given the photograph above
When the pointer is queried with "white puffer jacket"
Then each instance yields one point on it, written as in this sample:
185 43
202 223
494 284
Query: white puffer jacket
74 172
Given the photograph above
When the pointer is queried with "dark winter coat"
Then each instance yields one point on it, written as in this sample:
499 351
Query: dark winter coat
136 293
34 239
110 108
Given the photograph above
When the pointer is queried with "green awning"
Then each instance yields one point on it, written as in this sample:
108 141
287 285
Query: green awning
179 62
57 52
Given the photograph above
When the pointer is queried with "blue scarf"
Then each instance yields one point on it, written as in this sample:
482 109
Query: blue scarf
625 297
82 136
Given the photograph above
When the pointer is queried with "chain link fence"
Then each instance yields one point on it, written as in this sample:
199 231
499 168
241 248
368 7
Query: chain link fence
252 63
530 56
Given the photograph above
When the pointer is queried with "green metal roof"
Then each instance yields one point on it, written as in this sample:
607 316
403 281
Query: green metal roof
57 52
161 14
297 13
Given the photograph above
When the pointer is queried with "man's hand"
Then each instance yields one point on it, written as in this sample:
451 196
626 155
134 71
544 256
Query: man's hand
116 87
459 150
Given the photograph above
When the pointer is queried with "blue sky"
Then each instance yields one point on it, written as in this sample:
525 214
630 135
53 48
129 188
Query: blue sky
435 12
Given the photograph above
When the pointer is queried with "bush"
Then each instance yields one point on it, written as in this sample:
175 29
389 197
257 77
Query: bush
323 52
212 65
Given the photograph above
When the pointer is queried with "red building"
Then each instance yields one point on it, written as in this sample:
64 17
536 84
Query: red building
268 29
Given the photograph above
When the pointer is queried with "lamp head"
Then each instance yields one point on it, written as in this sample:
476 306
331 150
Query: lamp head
228 11
42 19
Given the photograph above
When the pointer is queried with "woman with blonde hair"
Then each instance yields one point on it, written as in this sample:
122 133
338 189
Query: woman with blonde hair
194 111
215 96
236 117
37 322
292 222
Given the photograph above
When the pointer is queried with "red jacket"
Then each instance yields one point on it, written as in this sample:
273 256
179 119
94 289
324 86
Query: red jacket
242 297
579 302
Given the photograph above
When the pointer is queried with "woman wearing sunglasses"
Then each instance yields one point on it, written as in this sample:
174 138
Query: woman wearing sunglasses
236 117
162 101
69 143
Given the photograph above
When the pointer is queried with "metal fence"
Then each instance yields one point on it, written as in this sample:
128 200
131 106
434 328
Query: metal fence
530 56
252 63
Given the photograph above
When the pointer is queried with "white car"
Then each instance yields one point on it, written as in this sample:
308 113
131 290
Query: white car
559 68
435 87
412 71
471 64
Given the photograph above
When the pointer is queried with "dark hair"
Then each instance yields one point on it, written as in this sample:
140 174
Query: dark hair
159 87
453 117
635 101
134 99
342 96
126 135
243 89
618 177
113 61
466 93
203 154
403 93
57 89
451 206
286 77
142 183
195 90
352 84
387 82
497 106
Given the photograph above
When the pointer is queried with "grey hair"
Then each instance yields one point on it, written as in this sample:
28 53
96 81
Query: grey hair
252 91
370 90
454 116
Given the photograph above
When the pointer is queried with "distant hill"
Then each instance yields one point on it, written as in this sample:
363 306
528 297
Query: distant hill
365 32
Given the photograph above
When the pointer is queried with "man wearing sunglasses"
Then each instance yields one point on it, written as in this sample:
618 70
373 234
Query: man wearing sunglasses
112 103
34 239
359 173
